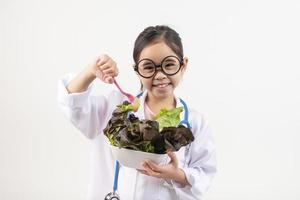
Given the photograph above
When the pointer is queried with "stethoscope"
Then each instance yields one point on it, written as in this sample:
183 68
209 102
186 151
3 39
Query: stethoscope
114 195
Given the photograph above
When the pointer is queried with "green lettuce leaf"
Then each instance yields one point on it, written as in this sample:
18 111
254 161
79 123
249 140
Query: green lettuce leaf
168 118
125 107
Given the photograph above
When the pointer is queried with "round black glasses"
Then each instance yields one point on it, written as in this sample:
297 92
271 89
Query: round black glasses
170 66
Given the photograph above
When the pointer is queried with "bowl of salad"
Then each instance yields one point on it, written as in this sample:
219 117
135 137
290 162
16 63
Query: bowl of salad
134 140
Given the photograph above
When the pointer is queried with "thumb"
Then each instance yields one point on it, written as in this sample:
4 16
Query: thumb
108 79
173 158
99 74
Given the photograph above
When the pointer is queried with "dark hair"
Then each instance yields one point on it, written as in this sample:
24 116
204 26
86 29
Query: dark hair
153 34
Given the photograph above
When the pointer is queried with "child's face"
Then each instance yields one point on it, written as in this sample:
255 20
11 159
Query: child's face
160 85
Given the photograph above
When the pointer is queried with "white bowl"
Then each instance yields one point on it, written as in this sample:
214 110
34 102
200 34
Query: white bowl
133 159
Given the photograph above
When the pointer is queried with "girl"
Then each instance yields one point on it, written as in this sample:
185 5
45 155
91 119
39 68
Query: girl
159 65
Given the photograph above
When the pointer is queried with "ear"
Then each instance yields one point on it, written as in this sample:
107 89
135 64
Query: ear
184 64
133 67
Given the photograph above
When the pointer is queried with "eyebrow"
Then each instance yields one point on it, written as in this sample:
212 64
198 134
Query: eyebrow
168 59
148 63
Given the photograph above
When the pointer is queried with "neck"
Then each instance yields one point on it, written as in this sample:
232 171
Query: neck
155 104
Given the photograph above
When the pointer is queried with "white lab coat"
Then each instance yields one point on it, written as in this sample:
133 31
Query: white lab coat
90 114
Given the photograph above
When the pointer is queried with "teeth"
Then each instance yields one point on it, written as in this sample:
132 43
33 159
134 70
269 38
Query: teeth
162 85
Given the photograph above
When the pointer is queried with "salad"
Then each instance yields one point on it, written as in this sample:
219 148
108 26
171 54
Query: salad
125 130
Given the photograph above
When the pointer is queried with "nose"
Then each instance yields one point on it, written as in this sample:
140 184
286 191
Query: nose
159 74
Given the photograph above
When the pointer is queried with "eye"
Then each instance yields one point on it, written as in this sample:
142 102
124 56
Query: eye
170 64
147 66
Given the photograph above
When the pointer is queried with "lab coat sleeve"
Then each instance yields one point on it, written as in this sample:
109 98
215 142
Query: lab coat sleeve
201 166
88 113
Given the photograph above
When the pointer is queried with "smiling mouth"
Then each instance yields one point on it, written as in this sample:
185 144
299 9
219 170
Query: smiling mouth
161 85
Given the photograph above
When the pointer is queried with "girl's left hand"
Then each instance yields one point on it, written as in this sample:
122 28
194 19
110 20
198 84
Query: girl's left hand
169 171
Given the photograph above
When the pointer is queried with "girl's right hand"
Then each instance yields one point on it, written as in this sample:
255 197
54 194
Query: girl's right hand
105 68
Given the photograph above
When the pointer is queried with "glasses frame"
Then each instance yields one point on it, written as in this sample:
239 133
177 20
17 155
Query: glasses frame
158 66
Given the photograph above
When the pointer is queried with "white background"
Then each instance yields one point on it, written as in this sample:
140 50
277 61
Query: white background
243 75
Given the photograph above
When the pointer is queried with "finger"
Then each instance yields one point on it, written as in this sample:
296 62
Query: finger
173 157
108 79
154 174
108 74
116 70
144 172
141 171
104 78
147 168
100 62
111 71
99 74
150 172
97 60
113 65
105 66
102 59
154 166
108 71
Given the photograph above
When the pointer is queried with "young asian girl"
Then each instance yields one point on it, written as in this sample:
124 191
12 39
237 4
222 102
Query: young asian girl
159 65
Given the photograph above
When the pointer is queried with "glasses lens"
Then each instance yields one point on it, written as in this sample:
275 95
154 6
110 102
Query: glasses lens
146 68
171 65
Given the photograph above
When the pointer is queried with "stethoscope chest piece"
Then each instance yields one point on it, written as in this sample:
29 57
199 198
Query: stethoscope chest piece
112 196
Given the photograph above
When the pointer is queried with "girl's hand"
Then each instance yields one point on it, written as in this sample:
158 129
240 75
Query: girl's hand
169 171
105 68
